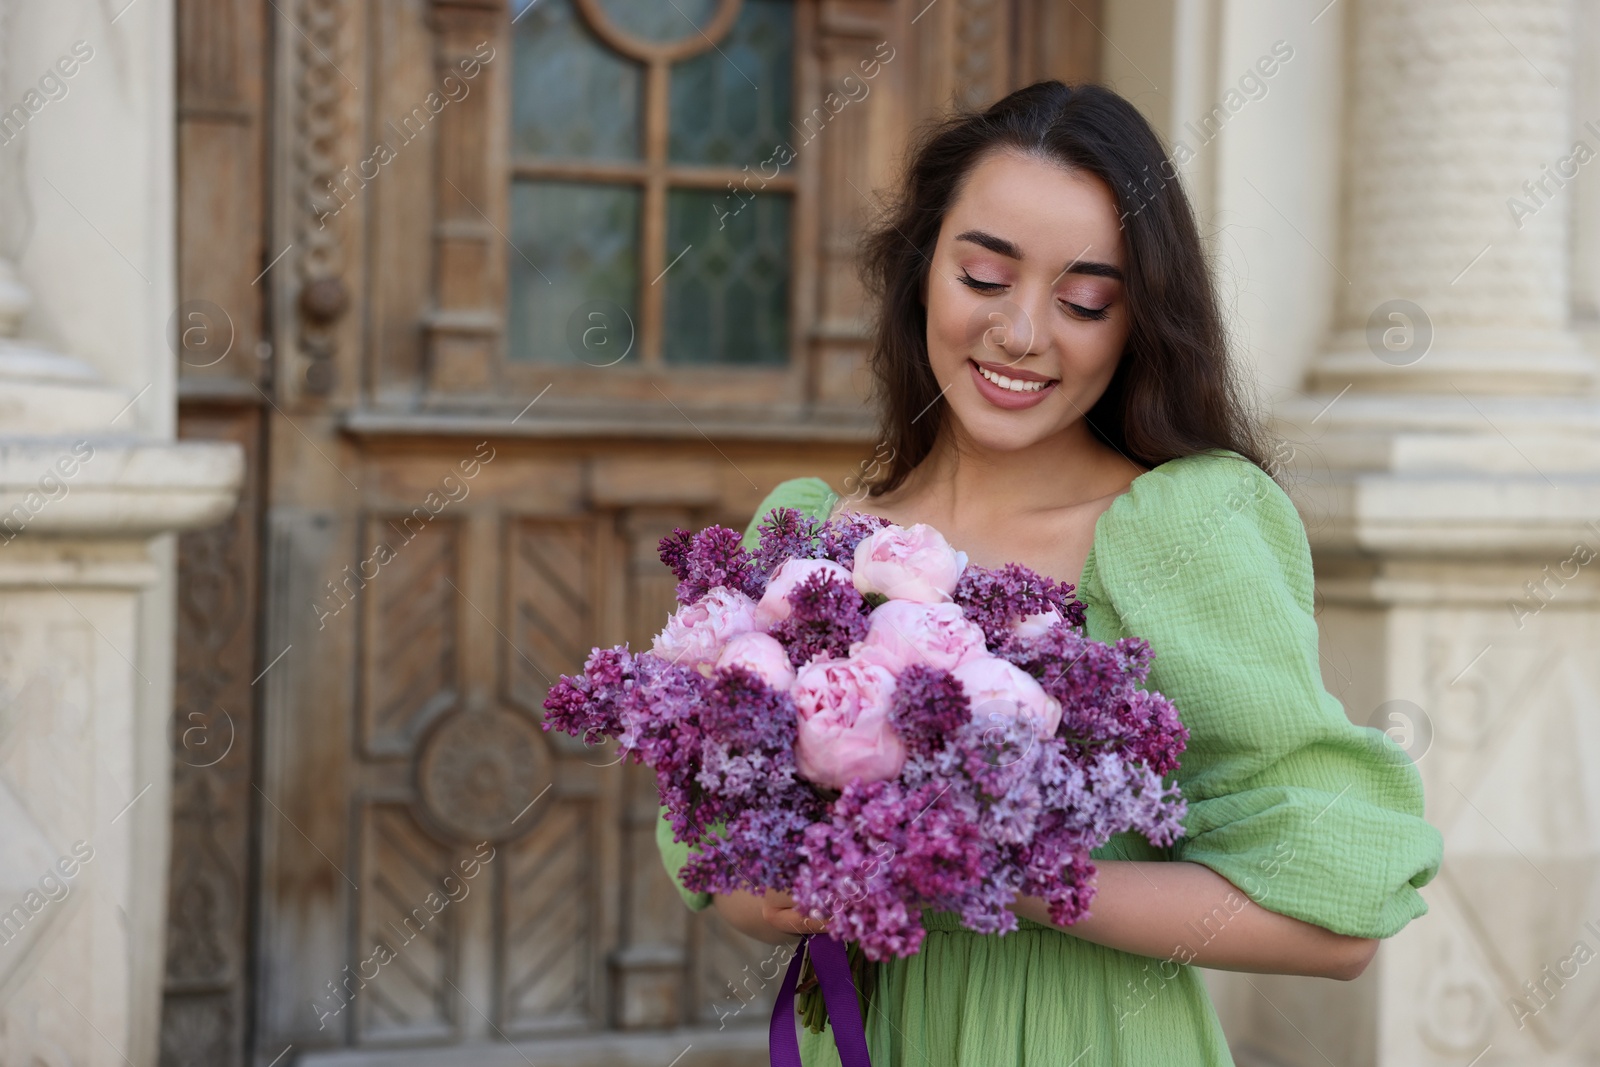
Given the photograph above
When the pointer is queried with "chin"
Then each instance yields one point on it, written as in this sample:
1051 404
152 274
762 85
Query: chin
1001 431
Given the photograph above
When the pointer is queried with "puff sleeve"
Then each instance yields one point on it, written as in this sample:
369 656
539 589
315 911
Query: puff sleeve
813 497
1310 815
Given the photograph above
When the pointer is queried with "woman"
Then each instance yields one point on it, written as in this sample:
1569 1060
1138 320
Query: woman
1054 382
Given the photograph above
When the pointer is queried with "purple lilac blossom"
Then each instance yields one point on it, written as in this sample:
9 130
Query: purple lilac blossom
826 617
928 705
586 706
981 812
1097 685
841 535
786 533
707 559
998 598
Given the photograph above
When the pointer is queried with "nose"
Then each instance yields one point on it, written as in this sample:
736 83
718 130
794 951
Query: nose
1006 331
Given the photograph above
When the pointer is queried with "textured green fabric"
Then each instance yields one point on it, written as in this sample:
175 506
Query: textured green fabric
1308 814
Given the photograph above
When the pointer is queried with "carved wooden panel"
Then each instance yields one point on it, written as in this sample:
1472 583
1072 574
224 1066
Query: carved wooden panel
465 325
216 337
399 200
652 589
844 160
403 993
963 51
405 583
215 333
980 73
549 949
207 956
553 578
1061 41
479 772
221 153
653 958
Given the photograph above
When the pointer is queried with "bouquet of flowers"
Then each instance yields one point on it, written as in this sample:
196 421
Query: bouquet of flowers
855 714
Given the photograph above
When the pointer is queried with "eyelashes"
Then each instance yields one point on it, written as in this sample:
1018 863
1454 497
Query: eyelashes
992 287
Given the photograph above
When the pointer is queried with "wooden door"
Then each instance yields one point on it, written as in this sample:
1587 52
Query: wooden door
513 289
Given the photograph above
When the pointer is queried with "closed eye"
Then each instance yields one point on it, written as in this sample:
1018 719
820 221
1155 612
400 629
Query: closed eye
1077 309
1088 313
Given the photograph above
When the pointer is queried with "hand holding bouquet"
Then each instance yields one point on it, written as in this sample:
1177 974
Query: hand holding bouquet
855 714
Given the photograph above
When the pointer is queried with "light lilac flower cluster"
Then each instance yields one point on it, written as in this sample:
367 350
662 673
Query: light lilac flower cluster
856 714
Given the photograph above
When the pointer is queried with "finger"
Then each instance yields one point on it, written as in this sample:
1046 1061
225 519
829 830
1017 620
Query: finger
804 923
790 920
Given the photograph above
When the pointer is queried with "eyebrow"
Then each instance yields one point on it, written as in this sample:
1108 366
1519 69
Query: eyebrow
1002 247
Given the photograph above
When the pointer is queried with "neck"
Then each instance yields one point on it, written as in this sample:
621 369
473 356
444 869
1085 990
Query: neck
960 476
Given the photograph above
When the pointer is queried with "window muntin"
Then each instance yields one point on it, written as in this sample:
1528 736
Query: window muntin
651 211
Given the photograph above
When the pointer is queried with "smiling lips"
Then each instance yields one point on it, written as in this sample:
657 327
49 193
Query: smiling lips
1012 378
1010 388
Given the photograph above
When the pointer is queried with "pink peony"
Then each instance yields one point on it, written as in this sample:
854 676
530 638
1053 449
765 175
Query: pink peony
997 688
762 656
774 605
696 632
903 632
902 563
1036 624
844 730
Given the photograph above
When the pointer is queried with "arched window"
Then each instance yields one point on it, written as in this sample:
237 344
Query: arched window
652 183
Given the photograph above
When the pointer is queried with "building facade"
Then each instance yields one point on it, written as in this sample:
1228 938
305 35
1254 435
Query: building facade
356 353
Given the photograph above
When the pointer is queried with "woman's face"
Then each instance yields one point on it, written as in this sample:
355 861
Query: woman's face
1026 285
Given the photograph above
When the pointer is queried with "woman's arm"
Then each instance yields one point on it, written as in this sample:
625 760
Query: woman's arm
1179 911
772 919
1191 914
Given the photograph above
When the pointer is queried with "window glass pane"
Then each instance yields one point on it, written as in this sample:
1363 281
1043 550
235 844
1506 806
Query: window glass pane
732 105
727 299
572 97
579 305
664 21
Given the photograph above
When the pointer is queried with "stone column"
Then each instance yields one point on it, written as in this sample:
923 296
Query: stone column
79 504
1446 467
1458 127
85 678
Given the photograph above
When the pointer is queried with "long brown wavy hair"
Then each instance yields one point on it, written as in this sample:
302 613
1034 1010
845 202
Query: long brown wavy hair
1174 392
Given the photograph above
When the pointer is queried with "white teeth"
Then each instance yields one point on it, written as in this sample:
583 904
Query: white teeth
1015 385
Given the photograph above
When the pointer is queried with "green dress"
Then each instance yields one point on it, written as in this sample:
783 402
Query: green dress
1311 816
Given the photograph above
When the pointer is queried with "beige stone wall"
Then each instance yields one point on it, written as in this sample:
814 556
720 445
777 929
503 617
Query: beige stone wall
90 485
1443 461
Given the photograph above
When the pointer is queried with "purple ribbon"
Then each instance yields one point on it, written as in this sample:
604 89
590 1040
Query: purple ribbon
832 966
